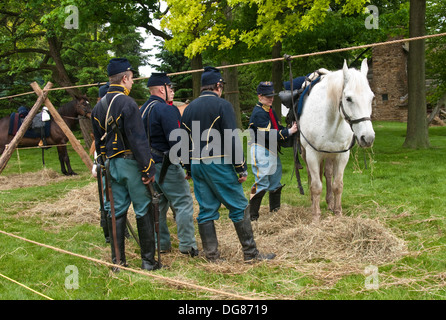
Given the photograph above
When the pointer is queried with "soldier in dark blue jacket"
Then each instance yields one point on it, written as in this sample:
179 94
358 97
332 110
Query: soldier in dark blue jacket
122 143
266 134
160 119
218 167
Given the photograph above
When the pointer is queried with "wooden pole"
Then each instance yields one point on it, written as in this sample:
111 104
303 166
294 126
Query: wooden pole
9 149
58 119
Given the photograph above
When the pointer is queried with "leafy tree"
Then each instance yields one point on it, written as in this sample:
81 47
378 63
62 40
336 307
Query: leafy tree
38 45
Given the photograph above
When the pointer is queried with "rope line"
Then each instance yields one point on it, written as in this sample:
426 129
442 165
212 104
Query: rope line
144 273
26 287
376 44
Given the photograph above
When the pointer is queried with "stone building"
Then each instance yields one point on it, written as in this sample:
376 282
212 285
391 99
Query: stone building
388 80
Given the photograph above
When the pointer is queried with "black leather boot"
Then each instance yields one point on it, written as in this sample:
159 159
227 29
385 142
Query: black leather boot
120 239
146 233
209 240
246 237
104 225
274 199
254 205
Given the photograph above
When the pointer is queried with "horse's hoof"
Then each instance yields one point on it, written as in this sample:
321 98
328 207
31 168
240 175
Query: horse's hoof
73 174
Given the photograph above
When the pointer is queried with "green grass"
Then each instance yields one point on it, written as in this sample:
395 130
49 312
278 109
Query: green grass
402 188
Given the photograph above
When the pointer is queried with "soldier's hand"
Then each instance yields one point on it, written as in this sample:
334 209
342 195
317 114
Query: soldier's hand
147 180
188 177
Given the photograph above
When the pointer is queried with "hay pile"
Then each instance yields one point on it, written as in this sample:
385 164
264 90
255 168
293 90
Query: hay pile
30 179
77 206
345 239
338 242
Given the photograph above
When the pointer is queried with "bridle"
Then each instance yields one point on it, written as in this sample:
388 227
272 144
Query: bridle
85 109
350 122
348 119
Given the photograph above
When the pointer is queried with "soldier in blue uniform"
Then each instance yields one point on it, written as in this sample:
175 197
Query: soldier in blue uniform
218 168
122 143
160 119
266 135
102 92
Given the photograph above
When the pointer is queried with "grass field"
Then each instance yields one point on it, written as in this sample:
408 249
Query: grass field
390 244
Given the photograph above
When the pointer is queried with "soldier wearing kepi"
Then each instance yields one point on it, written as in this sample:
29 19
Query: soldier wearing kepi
217 167
160 119
266 135
121 140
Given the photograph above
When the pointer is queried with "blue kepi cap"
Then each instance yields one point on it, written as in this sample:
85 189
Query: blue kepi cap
118 65
210 76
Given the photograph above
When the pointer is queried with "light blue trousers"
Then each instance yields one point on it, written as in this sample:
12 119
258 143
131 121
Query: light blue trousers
266 167
127 187
216 184
176 192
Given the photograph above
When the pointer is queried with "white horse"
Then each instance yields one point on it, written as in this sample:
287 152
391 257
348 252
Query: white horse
335 114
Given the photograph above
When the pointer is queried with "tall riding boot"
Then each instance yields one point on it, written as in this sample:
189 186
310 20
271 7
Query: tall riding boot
209 240
146 233
246 237
274 199
254 205
120 239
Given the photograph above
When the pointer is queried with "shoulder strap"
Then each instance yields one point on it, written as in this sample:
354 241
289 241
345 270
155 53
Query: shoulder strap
104 106
148 110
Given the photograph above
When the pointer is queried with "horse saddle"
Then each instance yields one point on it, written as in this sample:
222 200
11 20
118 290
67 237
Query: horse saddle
301 88
39 128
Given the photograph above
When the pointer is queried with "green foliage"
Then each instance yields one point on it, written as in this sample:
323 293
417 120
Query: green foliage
104 31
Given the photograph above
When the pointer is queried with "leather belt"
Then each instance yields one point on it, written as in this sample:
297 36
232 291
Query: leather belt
125 155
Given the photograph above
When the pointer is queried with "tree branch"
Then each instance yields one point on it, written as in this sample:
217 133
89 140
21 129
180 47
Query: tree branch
156 32
26 50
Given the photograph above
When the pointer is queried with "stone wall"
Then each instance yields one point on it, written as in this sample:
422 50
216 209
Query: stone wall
388 80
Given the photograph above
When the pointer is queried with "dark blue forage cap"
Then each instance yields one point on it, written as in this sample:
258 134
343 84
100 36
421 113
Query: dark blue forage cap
158 79
118 65
266 88
210 76
103 89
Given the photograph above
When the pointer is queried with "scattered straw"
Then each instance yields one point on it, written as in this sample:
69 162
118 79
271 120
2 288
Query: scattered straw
31 179
335 247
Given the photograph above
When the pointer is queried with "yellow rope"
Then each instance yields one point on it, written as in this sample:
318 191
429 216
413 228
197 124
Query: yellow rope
21 284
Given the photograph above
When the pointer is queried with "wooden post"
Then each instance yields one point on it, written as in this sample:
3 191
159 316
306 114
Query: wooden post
9 149
58 119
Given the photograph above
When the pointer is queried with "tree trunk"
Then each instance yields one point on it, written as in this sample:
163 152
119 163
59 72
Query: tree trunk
231 91
60 74
417 135
277 72
196 63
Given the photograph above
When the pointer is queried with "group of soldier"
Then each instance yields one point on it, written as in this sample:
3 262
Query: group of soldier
134 151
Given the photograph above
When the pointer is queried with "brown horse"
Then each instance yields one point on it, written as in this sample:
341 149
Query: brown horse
69 113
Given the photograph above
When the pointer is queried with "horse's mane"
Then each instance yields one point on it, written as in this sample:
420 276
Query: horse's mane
68 108
335 85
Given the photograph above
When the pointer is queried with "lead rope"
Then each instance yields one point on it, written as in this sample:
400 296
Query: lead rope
296 147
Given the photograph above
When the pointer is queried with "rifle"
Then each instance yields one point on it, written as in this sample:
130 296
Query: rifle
101 200
109 196
155 202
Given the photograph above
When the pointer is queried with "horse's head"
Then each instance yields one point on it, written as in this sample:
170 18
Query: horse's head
356 104
83 107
